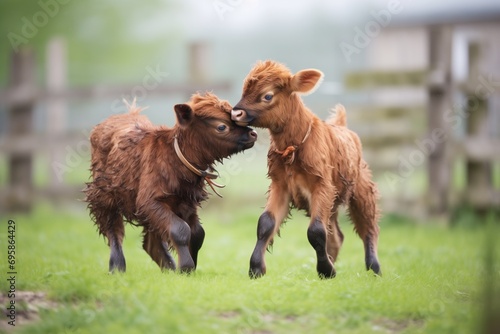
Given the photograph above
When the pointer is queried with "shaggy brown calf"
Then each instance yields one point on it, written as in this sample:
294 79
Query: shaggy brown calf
314 165
156 175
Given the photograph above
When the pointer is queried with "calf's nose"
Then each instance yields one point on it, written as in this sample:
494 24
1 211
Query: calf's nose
237 114
253 135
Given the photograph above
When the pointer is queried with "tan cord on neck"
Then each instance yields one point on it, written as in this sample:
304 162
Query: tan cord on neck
292 148
208 176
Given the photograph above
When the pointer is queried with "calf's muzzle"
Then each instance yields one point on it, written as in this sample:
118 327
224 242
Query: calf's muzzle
250 138
241 117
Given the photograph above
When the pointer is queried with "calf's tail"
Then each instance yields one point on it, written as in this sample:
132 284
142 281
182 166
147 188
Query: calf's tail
339 117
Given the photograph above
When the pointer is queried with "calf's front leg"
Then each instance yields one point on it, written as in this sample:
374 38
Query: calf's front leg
180 235
197 238
168 225
158 250
317 236
269 223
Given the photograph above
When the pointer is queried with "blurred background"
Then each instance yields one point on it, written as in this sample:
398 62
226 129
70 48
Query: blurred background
420 81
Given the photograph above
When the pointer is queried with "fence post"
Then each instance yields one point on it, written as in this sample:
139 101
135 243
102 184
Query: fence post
56 104
439 90
479 171
20 124
199 61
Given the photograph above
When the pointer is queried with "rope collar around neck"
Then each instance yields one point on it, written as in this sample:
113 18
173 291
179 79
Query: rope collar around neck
288 154
206 174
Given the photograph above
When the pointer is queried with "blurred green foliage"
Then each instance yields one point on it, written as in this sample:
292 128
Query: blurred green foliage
104 37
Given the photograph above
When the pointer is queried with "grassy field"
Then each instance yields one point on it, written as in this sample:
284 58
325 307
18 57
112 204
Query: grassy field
434 279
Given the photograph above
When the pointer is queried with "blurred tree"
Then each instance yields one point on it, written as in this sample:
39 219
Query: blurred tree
109 41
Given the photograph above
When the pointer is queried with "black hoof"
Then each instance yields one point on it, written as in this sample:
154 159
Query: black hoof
256 273
187 266
325 269
186 271
376 269
257 265
117 263
117 268
373 264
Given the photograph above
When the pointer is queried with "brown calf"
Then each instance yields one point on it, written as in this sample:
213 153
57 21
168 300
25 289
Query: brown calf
156 176
314 165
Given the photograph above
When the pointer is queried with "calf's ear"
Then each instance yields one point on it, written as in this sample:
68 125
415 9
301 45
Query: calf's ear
306 81
184 114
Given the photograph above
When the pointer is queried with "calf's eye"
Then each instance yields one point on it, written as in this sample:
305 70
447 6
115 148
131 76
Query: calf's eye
268 97
221 127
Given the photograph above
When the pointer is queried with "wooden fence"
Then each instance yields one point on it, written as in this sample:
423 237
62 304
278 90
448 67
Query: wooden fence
403 139
20 143
426 131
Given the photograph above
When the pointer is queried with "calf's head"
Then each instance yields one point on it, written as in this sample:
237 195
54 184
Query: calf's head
269 93
205 124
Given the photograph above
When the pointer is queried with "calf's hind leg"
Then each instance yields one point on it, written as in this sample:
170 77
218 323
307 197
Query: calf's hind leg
317 233
364 214
108 220
111 225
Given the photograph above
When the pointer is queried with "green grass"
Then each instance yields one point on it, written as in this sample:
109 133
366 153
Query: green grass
432 283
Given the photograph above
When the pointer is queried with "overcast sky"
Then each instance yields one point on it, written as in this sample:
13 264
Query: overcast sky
242 15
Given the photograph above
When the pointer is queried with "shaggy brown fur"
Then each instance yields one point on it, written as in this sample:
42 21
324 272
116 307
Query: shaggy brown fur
313 165
137 175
